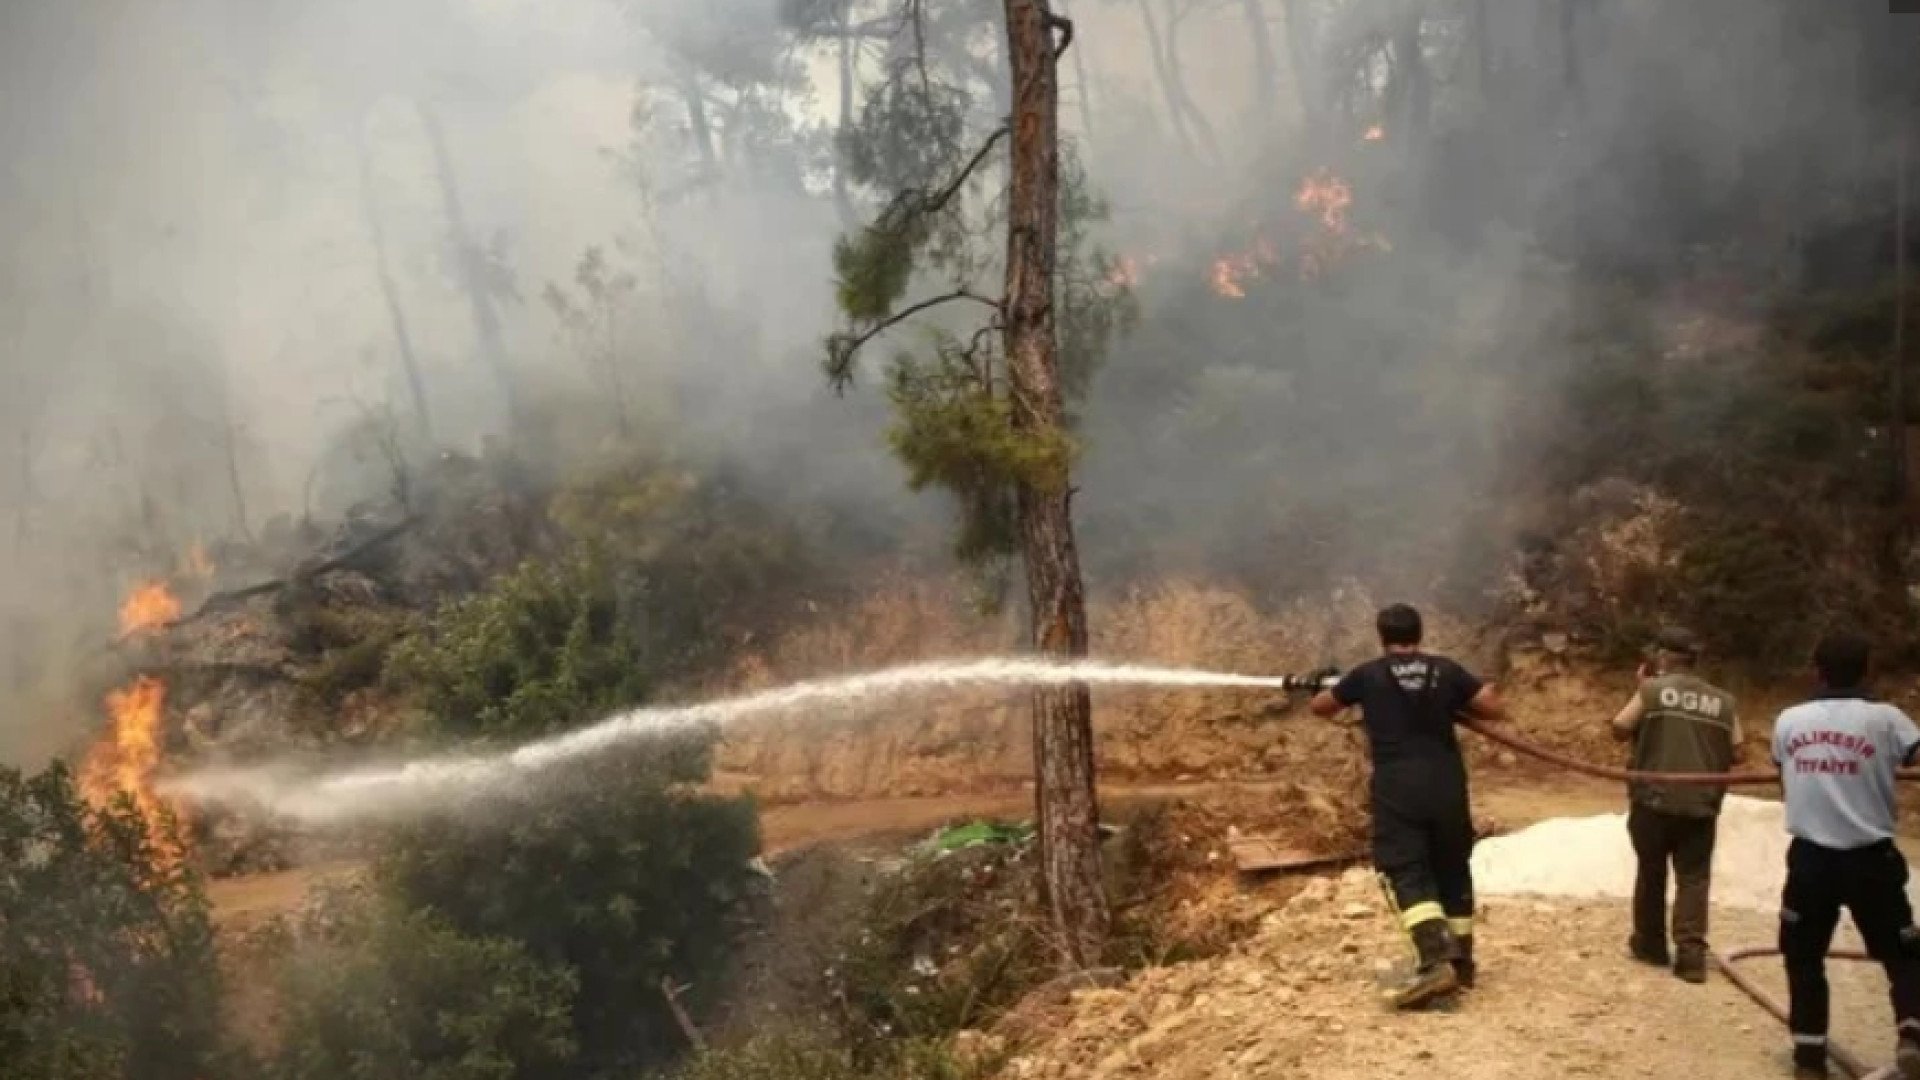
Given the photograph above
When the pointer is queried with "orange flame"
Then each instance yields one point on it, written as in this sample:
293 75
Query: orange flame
126 759
1375 133
1329 196
1232 272
148 608
1228 274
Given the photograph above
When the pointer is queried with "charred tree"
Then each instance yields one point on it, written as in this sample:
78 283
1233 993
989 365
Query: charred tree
1300 59
1067 808
1157 49
1176 74
390 292
1412 79
1266 74
471 267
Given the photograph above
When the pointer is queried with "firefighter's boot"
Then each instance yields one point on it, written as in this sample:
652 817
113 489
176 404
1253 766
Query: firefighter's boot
1435 976
1464 969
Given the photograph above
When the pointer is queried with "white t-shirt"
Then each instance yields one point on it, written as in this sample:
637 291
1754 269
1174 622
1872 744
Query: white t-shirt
1837 759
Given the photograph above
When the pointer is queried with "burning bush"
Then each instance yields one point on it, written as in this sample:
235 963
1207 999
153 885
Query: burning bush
109 968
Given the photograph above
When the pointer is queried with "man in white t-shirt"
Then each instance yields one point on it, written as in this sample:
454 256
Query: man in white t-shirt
1838 755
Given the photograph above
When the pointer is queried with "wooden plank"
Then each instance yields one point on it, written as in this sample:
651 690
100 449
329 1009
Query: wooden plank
1261 854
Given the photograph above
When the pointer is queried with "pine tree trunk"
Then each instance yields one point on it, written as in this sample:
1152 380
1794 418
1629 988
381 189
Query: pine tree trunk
1067 809
1266 78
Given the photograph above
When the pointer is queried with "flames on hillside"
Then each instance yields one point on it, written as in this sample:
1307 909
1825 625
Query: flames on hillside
147 608
1325 199
127 757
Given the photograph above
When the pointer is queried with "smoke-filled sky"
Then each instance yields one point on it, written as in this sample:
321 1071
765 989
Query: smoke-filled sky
225 217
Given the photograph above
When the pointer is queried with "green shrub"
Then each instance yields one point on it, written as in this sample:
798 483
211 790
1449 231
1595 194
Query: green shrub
607 871
543 648
107 965
371 992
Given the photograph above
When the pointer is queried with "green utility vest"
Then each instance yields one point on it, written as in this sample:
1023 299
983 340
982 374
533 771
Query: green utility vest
1686 725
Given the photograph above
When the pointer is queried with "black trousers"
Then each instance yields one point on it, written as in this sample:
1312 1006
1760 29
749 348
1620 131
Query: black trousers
1423 840
1661 840
1871 884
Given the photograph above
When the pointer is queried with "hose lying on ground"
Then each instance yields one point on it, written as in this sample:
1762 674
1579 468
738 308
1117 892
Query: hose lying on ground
1849 1063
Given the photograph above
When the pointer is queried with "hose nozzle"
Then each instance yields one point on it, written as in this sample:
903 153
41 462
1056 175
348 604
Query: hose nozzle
1322 679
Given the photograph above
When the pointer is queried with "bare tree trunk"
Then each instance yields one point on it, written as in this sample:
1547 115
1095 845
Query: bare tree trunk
1266 73
1413 82
234 487
1177 76
1300 59
842 201
1569 48
473 274
1067 808
1158 49
390 291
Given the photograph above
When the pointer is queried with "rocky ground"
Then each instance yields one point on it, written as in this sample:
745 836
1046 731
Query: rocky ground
1300 998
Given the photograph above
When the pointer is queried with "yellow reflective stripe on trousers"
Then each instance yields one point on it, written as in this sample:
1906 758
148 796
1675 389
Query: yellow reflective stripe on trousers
1427 911
1461 927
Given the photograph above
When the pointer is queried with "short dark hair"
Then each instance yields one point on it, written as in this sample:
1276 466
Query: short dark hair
1398 625
1841 658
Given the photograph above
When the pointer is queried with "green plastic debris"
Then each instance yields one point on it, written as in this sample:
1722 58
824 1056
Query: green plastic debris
978 834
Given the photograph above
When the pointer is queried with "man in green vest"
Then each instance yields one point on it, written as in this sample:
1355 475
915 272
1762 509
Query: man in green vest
1678 723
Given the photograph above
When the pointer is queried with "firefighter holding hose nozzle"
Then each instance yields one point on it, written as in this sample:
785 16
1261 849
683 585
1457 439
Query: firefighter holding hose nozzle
1422 823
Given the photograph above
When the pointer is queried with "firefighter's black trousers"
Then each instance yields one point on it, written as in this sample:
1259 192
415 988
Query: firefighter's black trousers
1871 883
1423 839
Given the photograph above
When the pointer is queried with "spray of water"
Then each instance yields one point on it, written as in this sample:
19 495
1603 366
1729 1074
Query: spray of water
397 790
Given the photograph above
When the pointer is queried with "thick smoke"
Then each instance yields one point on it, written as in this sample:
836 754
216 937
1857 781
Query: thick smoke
247 236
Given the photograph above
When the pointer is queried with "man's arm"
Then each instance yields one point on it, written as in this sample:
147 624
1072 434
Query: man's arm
1627 721
1329 702
1906 736
1487 704
1739 741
